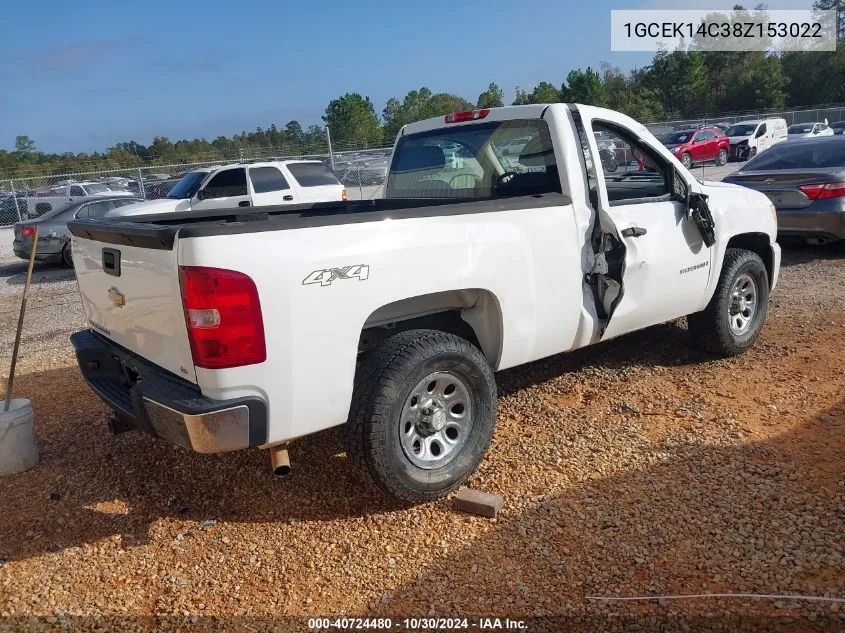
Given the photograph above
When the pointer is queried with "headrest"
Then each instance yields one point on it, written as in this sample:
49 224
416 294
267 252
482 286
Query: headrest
425 157
536 153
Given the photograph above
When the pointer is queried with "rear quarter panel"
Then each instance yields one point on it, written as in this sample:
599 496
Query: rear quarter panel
529 259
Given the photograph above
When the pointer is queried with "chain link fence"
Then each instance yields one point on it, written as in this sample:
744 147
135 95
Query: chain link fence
26 197
833 113
362 171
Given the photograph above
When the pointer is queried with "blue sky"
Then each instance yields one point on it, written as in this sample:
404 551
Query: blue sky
82 76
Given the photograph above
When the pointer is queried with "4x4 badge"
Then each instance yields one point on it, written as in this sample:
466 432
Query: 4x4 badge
326 276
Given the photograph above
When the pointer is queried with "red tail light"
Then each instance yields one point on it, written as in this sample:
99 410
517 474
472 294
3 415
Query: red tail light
223 316
822 191
27 231
469 115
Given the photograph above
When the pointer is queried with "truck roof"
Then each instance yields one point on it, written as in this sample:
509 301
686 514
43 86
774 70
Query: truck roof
505 113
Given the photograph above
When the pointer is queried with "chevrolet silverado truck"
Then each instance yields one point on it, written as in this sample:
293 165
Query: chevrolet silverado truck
234 328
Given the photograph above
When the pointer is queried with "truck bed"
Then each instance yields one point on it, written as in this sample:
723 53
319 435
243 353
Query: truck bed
159 231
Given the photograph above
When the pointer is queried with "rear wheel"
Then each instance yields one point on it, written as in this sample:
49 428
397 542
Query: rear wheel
732 320
423 414
686 160
722 158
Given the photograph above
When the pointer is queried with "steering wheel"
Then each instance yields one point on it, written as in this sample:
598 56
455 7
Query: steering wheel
461 179
505 177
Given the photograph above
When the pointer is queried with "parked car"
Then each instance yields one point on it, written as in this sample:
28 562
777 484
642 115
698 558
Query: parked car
699 146
62 195
808 130
749 138
391 315
254 184
838 127
53 236
805 180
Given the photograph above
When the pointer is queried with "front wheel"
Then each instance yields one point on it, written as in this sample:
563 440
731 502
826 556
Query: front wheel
67 256
686 160
722 158
423 414
731 322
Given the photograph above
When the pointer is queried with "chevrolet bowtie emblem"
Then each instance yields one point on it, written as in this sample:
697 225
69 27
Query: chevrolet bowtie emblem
116 297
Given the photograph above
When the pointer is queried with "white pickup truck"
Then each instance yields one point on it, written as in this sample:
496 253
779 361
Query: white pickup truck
255 184
235 328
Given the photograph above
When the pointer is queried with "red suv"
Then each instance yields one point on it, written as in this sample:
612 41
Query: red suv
699 146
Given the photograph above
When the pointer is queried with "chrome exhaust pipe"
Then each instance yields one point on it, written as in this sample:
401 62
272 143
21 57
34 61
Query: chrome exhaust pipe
280 461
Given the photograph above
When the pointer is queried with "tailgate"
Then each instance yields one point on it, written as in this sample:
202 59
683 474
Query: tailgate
129 282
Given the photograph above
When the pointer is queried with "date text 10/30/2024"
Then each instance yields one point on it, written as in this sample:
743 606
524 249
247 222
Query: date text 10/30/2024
414 624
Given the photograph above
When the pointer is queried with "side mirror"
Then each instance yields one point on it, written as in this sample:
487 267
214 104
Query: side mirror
200 195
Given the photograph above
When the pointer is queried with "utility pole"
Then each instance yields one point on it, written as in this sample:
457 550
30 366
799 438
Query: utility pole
329 139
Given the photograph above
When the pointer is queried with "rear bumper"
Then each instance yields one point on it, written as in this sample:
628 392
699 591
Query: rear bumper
156 402
46 251
828 225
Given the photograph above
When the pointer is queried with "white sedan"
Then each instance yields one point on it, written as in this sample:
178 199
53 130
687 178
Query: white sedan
809 130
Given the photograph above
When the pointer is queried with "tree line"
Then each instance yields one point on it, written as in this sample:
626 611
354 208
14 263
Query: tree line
683 83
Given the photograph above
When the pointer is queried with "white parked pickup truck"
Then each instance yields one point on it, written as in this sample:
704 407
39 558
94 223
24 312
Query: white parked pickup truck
225 329
256 184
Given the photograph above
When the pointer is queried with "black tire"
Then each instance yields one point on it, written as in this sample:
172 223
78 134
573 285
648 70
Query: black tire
67 256
710 329
686 160
722 158
384 384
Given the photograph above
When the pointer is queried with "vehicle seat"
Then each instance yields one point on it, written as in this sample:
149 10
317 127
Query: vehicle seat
419 174
537 156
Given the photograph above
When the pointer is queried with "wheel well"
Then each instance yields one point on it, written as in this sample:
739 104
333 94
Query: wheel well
473 314
757 243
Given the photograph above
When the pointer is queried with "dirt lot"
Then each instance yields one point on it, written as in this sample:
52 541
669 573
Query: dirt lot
637 468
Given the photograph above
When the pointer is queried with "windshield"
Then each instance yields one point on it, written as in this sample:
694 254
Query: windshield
188 186
742 129
676 138
800 155
97 188
483 160
800 129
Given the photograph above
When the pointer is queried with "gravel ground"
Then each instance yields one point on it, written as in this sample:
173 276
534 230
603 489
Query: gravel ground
635 468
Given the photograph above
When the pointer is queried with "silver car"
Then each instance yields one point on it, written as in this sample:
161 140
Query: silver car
805 180
53 236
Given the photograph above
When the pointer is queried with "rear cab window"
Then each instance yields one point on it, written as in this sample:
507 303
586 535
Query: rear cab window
478 161
312 175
